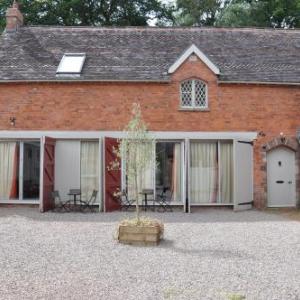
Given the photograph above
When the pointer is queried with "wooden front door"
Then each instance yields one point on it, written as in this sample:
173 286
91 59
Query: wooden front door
112 174
48 160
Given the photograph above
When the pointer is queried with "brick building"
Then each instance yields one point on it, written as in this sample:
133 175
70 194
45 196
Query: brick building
223 105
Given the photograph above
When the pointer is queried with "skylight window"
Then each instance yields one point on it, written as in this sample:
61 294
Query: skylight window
71 64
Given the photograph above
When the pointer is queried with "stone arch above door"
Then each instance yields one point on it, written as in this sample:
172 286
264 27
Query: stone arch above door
280 141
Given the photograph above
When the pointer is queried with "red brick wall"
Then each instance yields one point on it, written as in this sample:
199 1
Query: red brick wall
106 106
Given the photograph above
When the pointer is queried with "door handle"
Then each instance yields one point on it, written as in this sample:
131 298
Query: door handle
279 181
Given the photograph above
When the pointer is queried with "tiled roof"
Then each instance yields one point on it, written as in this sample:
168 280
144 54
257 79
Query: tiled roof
133 53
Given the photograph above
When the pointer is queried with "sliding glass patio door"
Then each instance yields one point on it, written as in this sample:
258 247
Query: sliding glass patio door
164 172
204 172
19 170
77 167
211 172
169 170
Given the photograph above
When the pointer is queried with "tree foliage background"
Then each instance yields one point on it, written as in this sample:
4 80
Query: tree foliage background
229 13
237 13
267 13
91 12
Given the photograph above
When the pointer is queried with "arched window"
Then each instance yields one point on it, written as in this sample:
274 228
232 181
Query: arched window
193 94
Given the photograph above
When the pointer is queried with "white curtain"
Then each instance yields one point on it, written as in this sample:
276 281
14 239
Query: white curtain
145 179
226 172
89 168
176 173
203 172
7 165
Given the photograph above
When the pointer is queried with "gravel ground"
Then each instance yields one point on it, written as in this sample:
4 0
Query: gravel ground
210 254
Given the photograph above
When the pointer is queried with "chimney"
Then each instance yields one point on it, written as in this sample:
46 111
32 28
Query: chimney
14 18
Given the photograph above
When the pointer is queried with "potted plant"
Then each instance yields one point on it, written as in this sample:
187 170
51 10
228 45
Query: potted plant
136 148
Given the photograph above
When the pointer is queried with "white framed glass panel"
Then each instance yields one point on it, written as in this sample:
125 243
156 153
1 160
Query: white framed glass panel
9 170
203 172
169 170
145 177
226 172
67 167
89 170
31 170
19 170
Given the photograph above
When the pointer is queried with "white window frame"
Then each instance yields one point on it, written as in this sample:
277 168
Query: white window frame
193 106
182 167
60 70
21 199
218 141
183 170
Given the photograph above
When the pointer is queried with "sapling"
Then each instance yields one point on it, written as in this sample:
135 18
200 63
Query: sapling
136 150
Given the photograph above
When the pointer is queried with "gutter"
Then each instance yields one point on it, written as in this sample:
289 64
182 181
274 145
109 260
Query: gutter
259 82
82 80
140 81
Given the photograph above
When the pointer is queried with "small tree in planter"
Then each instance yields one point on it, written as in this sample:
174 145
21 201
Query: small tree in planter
136 150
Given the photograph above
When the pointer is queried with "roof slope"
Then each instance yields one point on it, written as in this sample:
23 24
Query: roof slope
252 55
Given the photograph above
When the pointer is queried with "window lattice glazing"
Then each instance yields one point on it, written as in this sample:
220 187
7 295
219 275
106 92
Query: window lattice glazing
193 94
200 93
186 93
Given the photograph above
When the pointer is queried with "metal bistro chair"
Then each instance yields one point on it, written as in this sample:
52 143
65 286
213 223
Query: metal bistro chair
89 203
163 201
59 204
125 202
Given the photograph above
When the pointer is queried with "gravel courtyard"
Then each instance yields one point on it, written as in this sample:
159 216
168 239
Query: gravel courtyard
210 254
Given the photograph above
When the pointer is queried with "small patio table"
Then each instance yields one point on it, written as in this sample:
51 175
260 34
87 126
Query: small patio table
146 192
74 193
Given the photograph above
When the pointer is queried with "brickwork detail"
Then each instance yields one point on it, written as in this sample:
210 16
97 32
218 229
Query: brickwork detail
106 106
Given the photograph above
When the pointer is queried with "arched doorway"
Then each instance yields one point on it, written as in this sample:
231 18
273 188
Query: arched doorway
281 177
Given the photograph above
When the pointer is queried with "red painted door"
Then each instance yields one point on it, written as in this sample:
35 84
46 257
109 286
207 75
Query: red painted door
48 148
112 174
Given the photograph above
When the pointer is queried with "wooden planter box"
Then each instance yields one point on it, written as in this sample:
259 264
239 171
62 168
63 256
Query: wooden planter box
147 235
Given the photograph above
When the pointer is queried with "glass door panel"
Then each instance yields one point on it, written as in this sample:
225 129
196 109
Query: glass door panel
9 170
89 168
203 172
168 175
211 172
145 176
31 170
226 172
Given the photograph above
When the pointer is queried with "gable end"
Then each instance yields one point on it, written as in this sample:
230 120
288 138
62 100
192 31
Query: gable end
194 50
